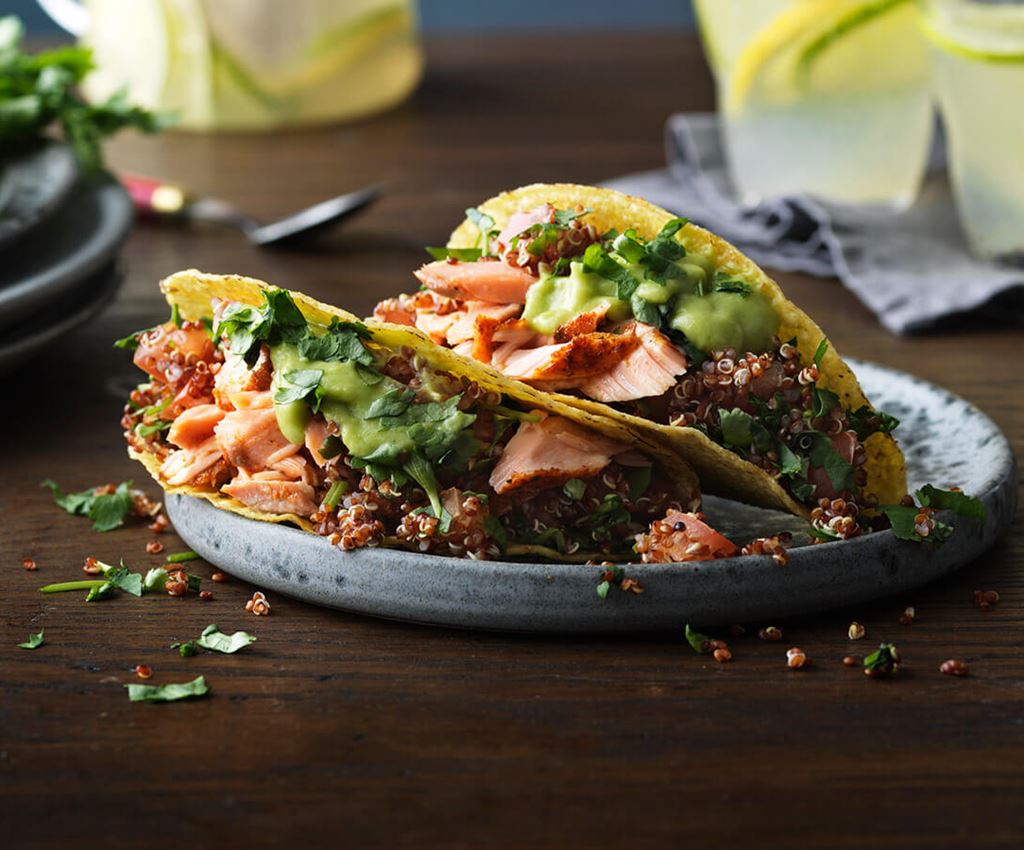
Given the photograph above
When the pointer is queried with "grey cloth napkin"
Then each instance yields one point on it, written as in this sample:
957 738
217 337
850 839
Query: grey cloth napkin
912 268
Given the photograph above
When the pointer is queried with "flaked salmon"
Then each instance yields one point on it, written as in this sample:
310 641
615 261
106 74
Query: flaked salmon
273 497
392 310
235 376
484 280
647 370
249 439
194 426
582 356
476 314
186 465
584 323
550 452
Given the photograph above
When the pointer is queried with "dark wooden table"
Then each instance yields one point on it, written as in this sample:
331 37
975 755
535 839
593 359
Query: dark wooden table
336 730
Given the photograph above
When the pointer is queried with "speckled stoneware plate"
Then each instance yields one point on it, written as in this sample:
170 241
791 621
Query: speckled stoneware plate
946 441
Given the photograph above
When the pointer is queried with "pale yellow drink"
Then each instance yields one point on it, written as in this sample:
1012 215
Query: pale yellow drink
251 64
978 58
826 97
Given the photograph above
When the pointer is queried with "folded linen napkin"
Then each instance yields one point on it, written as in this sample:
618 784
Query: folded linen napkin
912 268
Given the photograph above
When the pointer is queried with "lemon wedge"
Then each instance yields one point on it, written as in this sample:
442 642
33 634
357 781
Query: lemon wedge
831 48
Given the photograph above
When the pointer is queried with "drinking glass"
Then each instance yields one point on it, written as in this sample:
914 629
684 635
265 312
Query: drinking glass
249 64
825 97
977 51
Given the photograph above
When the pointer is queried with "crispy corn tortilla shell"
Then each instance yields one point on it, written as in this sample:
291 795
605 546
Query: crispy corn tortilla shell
192 292
720 471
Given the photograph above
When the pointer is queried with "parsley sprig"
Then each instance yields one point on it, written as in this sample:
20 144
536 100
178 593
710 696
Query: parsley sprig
38 91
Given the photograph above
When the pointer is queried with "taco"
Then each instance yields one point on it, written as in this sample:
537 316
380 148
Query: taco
620 309
280 408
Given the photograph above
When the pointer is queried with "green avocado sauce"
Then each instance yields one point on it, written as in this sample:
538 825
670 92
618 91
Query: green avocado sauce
711 321
347 396
553 301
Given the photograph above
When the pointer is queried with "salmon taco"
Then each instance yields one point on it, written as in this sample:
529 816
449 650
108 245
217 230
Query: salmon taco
280 408
619 308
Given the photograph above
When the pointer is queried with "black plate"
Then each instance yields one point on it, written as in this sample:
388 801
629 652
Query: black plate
46 265
86 300
33 184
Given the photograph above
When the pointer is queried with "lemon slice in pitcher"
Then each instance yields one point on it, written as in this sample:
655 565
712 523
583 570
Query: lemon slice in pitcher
830 48
993 34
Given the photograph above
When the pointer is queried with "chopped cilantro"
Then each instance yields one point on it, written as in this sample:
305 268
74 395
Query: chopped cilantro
863 422
186 649
168 693
574 489
639 479
419 469
39 91
332 446
644 311
215 640
34 641
723 283
596 261
154 580
737 428
698 643
107 510
952 500
822 453
300 385
245 326
393 403
883 661
341 342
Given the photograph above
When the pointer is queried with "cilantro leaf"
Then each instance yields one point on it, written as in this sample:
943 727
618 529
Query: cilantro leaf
215 640
485 224
245 326
419 470
596 261
953 500
154 579
342 342
574 489
168 693
39 91
883 661
789 463
903 519
393 403
639 479
822 453
122 579
723 283
298 385
864 422
644 311
699 643
737 427
34 641
106 510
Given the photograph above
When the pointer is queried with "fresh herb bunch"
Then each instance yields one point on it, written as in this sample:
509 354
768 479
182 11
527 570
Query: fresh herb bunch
40 90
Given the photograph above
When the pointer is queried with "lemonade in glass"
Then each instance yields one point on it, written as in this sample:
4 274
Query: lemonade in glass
825 97
978 58
250 64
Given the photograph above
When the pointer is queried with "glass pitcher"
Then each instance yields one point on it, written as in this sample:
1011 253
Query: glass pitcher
249 64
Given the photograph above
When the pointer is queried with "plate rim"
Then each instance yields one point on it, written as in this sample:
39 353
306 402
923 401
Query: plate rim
894 566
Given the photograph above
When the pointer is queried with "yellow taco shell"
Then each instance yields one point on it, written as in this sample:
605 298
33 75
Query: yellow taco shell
192 293
720 471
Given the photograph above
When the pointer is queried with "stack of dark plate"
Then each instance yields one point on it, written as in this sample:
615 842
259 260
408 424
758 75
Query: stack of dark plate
60 232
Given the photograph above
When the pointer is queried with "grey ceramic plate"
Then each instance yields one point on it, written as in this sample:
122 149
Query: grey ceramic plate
32 186
946 440
47 265
81 304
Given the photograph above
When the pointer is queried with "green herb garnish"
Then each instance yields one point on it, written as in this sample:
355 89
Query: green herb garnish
168 693
107 510
34 641
215 640
819 352
574 489
883 661
183 557
39 90
699 643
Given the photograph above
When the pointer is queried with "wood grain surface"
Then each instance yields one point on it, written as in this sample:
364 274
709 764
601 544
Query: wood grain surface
340 731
